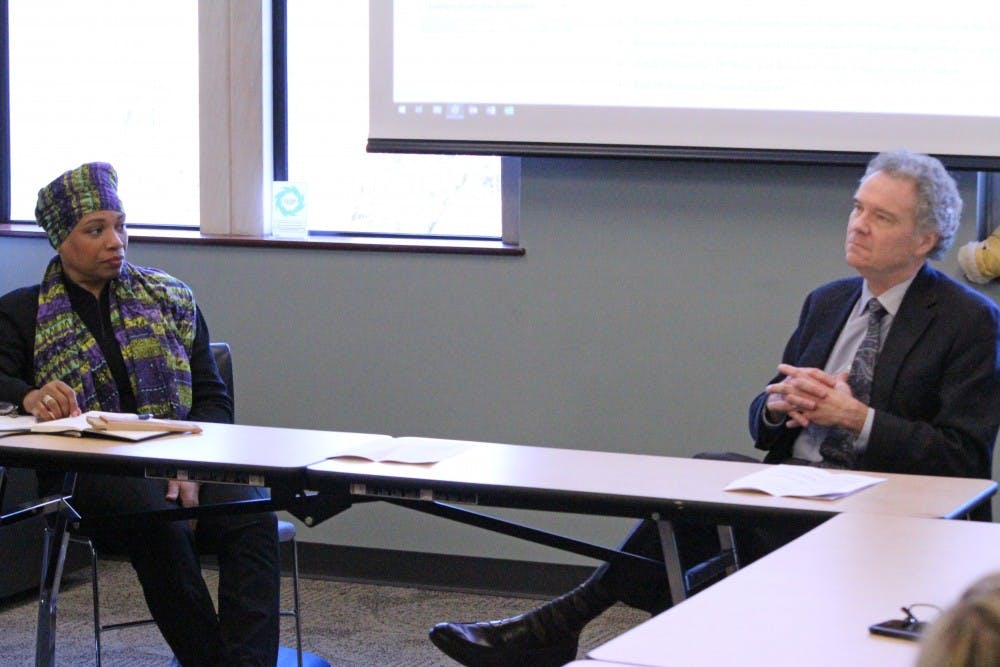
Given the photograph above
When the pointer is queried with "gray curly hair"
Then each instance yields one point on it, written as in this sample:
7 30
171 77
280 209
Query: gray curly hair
939 206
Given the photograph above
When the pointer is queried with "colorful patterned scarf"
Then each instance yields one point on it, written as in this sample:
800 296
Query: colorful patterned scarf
153 317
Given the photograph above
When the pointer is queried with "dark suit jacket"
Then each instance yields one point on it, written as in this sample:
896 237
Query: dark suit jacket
936 388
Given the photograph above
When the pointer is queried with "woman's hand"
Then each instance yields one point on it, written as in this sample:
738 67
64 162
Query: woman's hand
54 400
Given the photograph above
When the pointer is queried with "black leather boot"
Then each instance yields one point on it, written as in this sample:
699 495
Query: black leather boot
544 637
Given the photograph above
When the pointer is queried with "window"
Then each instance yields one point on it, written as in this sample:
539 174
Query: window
352 191
110 81
123 69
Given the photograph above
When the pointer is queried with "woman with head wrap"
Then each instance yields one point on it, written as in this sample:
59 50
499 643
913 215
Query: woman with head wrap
99 333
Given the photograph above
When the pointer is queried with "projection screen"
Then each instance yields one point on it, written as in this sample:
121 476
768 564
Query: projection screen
772 80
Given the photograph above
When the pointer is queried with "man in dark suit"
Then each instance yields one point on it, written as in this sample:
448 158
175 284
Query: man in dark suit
934 402
895 370
933 406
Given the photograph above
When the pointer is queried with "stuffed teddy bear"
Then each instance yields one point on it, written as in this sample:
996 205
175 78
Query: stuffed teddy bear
980 260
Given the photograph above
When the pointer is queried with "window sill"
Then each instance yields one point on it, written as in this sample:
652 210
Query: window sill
317 242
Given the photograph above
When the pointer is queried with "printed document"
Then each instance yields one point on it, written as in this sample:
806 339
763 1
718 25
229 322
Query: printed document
804 482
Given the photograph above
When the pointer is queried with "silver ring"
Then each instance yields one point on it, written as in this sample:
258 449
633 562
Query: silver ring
48 399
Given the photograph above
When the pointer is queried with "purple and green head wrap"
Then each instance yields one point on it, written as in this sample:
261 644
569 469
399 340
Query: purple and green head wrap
88 188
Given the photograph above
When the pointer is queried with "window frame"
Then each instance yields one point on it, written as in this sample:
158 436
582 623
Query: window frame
243 143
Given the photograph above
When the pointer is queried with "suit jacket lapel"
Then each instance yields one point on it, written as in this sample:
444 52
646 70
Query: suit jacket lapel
915 314
830 323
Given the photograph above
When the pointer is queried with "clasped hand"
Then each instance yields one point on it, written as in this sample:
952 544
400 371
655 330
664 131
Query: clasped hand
812 396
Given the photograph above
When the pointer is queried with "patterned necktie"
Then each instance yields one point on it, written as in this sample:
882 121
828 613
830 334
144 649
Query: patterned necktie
837 448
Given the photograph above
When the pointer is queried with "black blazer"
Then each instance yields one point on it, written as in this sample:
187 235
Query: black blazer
936 388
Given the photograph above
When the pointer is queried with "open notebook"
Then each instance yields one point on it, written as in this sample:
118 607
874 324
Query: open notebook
119 426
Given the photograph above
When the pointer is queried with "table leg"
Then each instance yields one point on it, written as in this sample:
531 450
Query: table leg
48 593
676 575
672 561
728 544
53 559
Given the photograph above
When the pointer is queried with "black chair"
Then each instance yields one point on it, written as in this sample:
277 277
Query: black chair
22 534
286 534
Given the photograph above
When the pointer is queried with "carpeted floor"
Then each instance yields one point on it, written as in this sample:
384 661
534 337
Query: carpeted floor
351 625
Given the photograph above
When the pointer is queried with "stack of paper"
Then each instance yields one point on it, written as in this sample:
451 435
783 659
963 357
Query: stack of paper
803 482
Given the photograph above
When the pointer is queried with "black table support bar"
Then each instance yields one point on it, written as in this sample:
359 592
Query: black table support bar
523 532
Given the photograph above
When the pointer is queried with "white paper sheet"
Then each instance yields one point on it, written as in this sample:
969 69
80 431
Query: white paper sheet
803 482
